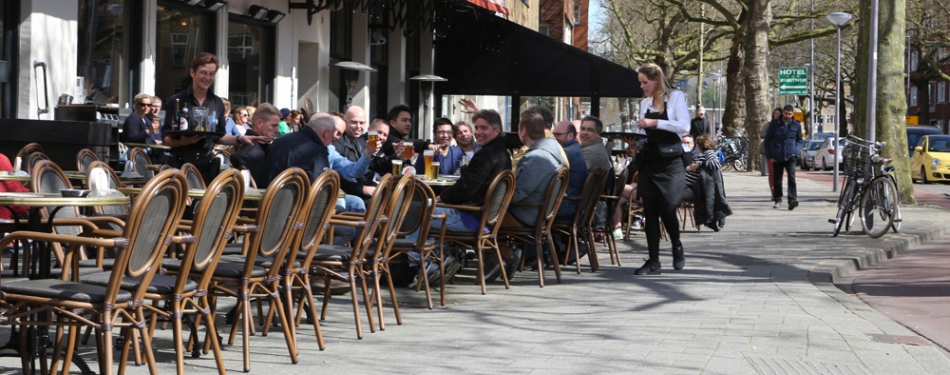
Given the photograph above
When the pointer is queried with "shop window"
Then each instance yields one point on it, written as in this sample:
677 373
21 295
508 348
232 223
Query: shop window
251 70
182 32
102 34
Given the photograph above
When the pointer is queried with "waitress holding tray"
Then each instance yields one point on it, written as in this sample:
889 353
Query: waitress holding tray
664 116
194 147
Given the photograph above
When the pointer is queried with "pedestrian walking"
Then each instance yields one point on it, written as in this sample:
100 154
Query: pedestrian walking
777 113
783 139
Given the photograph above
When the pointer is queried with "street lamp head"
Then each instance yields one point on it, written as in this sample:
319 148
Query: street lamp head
839 18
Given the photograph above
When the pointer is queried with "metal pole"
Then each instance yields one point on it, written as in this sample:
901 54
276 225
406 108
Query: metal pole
872 75
907 67
811 73
834 185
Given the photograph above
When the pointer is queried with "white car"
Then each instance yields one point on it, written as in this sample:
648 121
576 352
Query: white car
827 155
807 158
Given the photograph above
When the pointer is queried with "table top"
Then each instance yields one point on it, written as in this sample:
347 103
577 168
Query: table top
443 180
147 145
35 199
76 175
11 177
250 195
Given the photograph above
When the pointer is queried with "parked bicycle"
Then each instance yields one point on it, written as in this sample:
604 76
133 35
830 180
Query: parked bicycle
870 189
736 152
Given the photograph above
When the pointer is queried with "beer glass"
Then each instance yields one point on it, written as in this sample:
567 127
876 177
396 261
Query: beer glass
407 151
428 155
373 140
432 172
397 167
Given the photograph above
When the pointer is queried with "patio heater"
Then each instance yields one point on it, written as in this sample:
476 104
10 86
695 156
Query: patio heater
427 83
838 19
351 74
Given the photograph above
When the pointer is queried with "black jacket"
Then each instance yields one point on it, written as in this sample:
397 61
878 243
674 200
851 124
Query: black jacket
135 130
709 198
253 158
488 162
698 127
302 149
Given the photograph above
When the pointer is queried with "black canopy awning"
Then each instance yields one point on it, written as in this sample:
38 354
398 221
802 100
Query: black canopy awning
482 54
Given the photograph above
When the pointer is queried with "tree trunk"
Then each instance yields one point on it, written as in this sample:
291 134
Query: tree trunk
891 99
734 115
755 71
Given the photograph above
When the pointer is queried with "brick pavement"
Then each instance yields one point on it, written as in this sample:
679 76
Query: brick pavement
755 298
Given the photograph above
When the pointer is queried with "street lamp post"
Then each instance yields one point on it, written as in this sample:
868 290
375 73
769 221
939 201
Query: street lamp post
351 75
838 19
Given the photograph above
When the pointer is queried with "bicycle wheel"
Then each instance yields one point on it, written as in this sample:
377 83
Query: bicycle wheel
878 207
844 206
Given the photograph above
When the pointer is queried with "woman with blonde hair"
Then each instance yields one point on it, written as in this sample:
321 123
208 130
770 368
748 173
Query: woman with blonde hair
241 120
664 116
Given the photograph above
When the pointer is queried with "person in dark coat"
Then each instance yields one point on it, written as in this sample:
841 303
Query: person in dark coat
783 141
253 157
699 126
137 128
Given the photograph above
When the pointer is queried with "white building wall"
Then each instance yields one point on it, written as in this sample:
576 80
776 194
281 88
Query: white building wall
48 34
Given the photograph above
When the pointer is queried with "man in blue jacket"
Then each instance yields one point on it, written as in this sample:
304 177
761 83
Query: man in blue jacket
783 140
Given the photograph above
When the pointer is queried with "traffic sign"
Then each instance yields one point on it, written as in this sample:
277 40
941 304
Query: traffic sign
793 81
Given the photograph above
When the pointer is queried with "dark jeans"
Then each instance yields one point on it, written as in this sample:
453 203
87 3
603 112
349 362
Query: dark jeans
789 167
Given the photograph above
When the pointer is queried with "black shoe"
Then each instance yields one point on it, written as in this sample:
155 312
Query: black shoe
452 266
651 267
713 225
792 205
512 263
679 260
492 269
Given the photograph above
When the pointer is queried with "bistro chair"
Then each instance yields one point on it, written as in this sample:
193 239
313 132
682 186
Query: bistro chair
316 213
277 223
154 218
47 178
540 234
84 158
577 227
142 161
346 263
195 181
33 159
497 198
429 247
382 247
28 149
184 289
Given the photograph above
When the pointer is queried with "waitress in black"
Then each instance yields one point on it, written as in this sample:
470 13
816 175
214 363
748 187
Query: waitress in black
664 116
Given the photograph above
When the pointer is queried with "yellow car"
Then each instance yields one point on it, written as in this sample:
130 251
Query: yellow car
931 159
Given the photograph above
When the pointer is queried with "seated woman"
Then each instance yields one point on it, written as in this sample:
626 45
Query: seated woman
11 187
629 190
707 158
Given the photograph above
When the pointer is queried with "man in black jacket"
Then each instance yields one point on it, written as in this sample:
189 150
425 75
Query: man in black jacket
252 157
699 126
305 149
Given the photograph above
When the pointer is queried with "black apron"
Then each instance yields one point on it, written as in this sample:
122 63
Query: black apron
660 177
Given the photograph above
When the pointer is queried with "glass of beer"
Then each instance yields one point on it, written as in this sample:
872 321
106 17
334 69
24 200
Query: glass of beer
373 140
407 151
397 167
432 171
428 155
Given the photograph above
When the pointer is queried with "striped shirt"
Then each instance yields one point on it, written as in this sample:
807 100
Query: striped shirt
708 160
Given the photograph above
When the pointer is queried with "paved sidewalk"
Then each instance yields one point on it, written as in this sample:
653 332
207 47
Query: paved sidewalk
755 298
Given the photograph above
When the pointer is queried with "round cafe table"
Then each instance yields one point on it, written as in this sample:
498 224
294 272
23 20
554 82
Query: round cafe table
12 177
148 145
249 195
443 180
36 201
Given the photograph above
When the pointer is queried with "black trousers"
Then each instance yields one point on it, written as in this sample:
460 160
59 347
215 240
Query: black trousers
778 167
661 187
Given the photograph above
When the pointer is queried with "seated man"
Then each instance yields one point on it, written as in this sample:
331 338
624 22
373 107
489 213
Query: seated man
491 159
465 141
308 149
532 176
448 156
347 169
252 157
566 135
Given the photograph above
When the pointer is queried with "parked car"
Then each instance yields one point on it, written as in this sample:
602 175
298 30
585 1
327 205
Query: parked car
915 132
930 160
821 136
807 157
827 154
